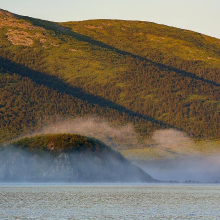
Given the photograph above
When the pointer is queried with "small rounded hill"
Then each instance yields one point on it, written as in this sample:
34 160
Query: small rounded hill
66 158
58 143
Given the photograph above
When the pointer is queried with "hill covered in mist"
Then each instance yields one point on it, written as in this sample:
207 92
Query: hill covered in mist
129 72
66 158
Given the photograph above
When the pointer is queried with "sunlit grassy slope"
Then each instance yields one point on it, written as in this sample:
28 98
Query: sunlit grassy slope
159 43
152 76
199 148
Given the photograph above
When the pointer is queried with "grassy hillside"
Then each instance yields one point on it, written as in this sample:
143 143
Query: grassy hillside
151 75
157 43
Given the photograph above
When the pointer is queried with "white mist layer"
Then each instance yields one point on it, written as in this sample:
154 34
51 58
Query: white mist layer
105 165
187 169
184 163
171 138
181 163
120 137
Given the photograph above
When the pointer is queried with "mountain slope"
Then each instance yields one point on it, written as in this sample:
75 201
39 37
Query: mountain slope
26 107
158 76
160 44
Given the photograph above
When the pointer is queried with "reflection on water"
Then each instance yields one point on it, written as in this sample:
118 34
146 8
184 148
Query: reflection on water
158 201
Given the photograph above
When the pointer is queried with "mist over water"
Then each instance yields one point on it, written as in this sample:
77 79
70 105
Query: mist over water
181 163
186 169
184 164
101 165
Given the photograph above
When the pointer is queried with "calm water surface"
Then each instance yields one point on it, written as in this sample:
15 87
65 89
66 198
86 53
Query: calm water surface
110 201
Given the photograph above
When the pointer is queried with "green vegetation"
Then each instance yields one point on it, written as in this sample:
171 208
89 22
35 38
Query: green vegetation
60 143
26 106
150 75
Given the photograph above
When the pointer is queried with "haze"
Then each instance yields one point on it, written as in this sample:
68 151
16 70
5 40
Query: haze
196 15
187 167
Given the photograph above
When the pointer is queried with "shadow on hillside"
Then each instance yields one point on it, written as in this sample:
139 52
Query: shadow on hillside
68 31
59 85
84 38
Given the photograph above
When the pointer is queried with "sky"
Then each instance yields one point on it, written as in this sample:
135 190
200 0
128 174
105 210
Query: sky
202 16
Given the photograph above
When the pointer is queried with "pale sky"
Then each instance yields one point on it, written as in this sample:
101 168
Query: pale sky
202 16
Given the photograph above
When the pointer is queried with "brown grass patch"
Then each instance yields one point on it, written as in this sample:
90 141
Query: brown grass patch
42 40
93 27
73 50
21 37
17 37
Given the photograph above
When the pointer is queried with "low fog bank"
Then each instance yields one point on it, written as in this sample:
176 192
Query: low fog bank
123 137
174 142
186 169
172 153
179 160
18 165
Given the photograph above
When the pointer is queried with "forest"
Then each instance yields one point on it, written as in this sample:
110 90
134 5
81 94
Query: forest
128 72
